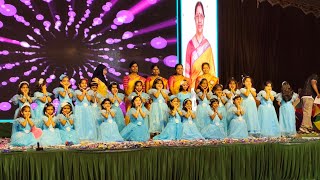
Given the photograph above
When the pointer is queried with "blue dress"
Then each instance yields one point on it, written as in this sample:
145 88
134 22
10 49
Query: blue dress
230 101
173 130
158 112
66 98
22 136
85 124
238 126
215 130
182 96
109 129
287 116
146 97
223 111
38 111
96 110
189 128
251 115
67 131
15 100
137 129
203 119
50 135
119 118
268 117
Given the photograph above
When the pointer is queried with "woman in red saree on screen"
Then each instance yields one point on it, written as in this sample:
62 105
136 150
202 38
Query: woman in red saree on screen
199 50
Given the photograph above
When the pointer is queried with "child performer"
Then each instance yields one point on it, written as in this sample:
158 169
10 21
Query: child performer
85 124
21 128
22 98
109 128
116 99
287 117
173 130
189 129
215 130
159 108
238 126
66 124
203 96
136 130
41 97
51 134
248 93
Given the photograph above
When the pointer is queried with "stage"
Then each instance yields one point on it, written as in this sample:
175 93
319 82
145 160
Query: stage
282 160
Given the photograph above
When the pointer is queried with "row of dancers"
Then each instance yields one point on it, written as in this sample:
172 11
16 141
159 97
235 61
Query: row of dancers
219 113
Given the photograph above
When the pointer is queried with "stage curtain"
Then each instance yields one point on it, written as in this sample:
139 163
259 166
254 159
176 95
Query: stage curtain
267 42
260 161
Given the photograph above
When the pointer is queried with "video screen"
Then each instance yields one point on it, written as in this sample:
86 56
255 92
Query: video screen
46 38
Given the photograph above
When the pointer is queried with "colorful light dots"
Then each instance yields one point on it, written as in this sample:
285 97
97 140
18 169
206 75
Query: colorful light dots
5 106
114 26
127 35
1 24
8 10
152 1
33 80
154 60
24 44
125 16
9 66
39 17
130 46
170 61
4 83
14 79
158 43
49 80
109 41
52 76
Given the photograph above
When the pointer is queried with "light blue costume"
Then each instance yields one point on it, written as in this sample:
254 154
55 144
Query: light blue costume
158 112
287 117
109 129
203 119
267 116
189 128
85 124
119 118
67 131
173 130
182 96
38 111
15 100
238 126
22 136
223 111
146 97
56 92
251 115
215 130
137 129
50 135
230 101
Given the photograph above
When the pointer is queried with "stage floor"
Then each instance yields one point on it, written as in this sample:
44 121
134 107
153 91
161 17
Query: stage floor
294 159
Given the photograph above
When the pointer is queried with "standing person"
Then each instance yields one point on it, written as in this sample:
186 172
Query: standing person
116 99
183 92
203 96
267 114
159 108
248 93
129 80
176 79
198 49
23 97
41 97
64 93
287 116
85 124
155 75
309 92
99 76
231 91
237 127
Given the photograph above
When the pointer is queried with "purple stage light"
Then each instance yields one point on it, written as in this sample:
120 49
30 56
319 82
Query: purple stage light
5 52
1 24
109 41
105 8
125 16
158 43
49 80
40 17
24 44
170 61
114 26
142 5
156 27
71 14
5 106
147 59
97 21
14 79
4 83
130 46
9 66
8 10
120 48
127 35
154 60
33 80
34 68
52 76
122 60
